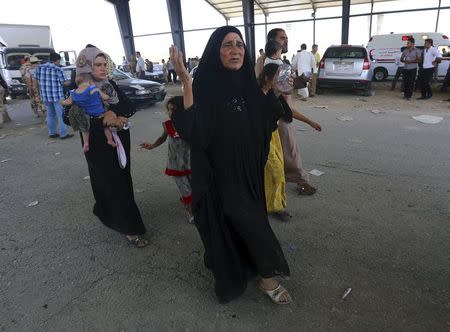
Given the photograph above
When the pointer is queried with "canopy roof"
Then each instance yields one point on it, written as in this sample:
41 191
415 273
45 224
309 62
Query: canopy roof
233 8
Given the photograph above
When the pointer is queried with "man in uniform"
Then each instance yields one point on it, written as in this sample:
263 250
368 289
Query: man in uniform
32 84
4 117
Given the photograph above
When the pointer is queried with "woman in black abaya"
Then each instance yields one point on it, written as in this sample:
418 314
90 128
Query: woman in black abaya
229 124
112 186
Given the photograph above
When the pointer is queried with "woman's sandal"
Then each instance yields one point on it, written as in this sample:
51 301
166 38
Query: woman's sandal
276 294
306 189
138 242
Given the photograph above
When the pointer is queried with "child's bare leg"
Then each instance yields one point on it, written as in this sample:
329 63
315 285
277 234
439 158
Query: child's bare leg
189 209
85 135
109 137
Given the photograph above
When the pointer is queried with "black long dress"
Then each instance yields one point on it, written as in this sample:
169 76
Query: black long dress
229 136
113 186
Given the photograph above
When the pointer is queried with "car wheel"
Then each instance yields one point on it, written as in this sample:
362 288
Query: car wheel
319 91
380 74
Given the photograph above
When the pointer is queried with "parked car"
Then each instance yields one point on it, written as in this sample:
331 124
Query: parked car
140 92
157 75
347 67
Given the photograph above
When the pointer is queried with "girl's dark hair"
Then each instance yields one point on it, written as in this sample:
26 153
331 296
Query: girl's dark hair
267 73
176 101
272 47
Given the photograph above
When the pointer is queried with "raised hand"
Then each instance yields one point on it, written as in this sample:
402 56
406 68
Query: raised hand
176 57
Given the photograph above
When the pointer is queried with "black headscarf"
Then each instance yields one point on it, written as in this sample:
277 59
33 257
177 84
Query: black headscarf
214 83
229 129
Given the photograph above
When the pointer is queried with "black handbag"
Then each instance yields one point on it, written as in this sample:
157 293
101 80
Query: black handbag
300 82
65 115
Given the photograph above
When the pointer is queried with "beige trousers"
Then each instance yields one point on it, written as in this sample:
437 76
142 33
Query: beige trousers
312 85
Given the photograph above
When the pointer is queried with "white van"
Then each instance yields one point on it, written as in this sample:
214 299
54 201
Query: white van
383 49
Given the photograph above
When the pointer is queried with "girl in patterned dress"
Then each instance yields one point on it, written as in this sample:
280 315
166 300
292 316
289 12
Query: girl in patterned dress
179 155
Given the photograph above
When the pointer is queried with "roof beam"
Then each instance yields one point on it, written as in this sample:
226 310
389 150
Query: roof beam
218 10
261 7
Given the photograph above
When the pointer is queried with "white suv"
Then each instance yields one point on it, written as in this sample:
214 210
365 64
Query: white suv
347 67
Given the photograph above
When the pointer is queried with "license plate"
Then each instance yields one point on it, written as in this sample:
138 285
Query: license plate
343 67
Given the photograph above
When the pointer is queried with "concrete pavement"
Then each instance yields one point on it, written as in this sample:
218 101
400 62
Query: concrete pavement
379 224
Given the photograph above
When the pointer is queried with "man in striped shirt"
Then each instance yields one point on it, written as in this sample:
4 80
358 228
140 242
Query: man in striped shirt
51 79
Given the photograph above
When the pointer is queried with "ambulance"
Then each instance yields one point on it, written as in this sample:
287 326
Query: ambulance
383 49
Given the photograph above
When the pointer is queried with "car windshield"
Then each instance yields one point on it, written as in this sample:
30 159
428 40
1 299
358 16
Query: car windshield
346 52
14 60
119 75
15 56
44 57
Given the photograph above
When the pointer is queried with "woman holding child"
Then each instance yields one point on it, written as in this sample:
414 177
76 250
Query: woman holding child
112 185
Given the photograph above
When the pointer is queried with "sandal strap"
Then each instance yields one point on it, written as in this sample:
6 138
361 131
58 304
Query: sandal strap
275 294
137 241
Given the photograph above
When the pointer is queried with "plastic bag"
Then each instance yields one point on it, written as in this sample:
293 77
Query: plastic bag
284 84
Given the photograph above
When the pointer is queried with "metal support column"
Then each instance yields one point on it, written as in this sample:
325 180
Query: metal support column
123 16
437 18
176 24
314 27
345 21
371 17
248 10
265 25
313 15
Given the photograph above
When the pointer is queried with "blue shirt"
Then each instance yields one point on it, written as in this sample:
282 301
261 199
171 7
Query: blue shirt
90 102
50 78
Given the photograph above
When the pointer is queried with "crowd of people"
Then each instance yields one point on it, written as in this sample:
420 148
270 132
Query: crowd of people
137 66
231 149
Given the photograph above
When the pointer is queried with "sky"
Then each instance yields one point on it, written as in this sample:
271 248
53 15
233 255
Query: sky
75 23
